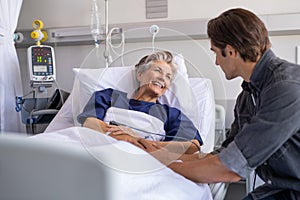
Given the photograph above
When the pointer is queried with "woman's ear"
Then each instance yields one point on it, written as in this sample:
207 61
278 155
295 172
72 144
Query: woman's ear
138 76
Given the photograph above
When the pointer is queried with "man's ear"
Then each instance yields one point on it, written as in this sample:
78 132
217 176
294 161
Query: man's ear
230 50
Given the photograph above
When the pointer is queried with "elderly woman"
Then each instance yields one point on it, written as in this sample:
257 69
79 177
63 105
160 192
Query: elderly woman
154 74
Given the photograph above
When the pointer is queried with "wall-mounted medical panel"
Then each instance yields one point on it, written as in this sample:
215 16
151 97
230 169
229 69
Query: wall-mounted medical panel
284 24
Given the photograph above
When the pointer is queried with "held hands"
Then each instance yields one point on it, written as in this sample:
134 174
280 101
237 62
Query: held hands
159 152
127 134
157 149
120 130
166 154
150 146
124 133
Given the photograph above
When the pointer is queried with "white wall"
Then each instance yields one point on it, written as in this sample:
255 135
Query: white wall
69 13
63 13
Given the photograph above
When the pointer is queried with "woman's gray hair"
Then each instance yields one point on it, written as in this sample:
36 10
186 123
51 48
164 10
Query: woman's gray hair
145 63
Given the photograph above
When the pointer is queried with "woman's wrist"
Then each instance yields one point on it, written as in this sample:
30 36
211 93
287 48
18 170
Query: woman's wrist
196 145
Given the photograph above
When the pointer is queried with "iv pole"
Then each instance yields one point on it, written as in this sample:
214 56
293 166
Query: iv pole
107 34
95 29
106 51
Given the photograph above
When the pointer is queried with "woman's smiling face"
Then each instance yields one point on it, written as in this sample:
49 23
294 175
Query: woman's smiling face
157 79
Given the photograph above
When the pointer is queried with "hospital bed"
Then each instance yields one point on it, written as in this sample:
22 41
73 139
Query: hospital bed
192 95
73 162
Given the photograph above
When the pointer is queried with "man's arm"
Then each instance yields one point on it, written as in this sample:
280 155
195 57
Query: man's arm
205 170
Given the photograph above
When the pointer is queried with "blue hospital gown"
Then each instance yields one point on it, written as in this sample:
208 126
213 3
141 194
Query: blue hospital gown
176 125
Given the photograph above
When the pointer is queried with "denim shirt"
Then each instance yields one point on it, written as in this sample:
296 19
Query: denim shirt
270 140
243 112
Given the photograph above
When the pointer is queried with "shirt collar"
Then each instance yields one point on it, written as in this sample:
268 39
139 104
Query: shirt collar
246 86
256 79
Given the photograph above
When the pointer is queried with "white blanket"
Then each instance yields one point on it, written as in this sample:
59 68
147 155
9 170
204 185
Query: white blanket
135 174
146 126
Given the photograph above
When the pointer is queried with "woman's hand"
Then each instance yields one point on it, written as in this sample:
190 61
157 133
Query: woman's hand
120 130
125 134
149 146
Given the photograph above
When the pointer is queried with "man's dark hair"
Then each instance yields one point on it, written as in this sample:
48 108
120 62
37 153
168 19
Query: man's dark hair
241 29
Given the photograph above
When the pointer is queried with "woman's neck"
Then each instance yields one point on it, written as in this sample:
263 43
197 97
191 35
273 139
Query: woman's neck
141 95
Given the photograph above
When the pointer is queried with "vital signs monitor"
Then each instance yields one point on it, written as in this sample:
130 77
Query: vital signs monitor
41 63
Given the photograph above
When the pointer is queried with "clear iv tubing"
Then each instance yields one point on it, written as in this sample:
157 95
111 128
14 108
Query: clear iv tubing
95 22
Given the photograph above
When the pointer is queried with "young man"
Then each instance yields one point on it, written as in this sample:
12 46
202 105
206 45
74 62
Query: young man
269 141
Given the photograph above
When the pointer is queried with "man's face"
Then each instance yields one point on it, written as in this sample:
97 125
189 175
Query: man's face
225 61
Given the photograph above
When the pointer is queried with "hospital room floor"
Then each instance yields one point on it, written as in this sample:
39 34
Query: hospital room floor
236 191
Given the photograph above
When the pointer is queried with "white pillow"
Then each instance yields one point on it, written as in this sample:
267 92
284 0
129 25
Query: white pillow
124 79
203 91
87 81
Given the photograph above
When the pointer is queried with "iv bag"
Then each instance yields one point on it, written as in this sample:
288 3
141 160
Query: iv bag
95 21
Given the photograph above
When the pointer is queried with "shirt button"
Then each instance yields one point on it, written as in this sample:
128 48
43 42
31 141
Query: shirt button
265 163
269 182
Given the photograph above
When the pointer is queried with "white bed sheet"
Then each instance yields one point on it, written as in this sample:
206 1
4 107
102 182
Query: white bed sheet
134 174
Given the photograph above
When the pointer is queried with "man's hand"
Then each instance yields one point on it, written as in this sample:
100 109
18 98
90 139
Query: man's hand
160 153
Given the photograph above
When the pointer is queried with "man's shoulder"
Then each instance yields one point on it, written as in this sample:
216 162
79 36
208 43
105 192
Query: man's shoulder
283 70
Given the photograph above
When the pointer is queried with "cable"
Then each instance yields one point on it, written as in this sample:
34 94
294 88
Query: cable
113 47
60 93
154 29
31 121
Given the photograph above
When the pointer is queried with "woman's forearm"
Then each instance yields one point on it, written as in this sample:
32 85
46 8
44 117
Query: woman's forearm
184 147
95 124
